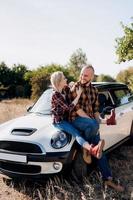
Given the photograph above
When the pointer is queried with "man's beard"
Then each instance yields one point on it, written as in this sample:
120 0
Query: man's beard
86 83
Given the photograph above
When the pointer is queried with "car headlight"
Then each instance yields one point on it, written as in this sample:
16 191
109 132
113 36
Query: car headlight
59 140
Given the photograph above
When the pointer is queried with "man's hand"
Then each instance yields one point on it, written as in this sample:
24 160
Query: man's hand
81 113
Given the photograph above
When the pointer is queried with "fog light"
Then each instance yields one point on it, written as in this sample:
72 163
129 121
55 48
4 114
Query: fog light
56 165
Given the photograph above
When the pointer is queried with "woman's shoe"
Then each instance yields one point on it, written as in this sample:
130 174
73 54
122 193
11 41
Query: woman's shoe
96 150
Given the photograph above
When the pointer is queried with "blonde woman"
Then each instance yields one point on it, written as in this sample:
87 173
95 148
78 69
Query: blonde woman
61 108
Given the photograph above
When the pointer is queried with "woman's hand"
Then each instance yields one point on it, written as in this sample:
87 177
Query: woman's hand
78 91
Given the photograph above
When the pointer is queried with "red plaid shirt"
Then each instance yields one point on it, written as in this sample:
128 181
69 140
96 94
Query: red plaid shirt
88 101
60 106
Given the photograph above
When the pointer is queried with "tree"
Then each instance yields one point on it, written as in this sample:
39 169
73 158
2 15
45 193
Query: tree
105 78
124 48
126 76
5 75
18 72
20 86
77 60
40 78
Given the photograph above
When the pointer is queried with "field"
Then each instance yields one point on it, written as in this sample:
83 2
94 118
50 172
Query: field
60 188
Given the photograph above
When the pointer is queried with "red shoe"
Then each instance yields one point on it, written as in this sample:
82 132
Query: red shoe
112 120
96 151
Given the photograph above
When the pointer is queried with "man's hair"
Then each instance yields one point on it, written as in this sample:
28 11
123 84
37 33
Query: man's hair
88 66
56 78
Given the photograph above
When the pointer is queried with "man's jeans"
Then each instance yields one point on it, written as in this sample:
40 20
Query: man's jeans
90 130
69 128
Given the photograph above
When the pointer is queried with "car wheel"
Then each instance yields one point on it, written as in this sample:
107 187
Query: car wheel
79 168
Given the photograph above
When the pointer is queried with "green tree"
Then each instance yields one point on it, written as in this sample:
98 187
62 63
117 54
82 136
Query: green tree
77 60
5 75
20 86
40 78
126 76
105 78
19 72
124 48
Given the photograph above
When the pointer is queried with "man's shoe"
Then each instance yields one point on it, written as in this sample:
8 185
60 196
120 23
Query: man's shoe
112 120
96 150
87 156
113 185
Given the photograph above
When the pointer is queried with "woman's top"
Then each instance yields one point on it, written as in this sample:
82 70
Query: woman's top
60 107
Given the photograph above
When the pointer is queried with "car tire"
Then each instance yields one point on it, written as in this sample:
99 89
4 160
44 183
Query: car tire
79 168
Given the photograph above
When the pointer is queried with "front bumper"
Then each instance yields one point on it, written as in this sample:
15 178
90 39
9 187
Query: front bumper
34 165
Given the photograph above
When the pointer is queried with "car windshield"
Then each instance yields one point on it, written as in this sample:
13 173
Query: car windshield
43 105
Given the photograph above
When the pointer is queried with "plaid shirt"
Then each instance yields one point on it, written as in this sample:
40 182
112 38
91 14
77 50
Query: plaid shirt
60 106
88 101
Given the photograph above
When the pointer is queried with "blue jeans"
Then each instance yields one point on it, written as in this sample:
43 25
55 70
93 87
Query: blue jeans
90 129
104 167
70 129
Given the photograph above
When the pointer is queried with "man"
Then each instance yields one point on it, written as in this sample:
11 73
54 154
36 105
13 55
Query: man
86 115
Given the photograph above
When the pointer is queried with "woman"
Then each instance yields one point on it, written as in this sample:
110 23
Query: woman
61 109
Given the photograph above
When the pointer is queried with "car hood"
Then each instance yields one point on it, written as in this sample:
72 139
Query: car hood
32 120
42 136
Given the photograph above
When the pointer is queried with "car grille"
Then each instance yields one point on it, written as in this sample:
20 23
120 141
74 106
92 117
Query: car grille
20 147
20 168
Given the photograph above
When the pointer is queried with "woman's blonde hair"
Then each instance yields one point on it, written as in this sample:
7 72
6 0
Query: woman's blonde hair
56 78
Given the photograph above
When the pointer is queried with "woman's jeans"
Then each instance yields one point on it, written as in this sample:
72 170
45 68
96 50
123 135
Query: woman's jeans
90 129
69 128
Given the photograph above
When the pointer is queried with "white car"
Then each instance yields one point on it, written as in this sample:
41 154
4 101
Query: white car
30 145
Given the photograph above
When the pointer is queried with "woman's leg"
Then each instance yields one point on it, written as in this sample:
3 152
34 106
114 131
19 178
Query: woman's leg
69 128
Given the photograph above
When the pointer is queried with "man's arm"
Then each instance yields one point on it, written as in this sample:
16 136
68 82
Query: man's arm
99 119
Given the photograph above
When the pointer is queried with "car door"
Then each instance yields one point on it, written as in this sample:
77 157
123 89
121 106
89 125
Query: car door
123 104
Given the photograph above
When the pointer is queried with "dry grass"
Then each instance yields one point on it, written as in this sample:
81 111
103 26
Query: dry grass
13 108
60 188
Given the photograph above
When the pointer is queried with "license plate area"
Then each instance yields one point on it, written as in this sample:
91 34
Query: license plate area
13 157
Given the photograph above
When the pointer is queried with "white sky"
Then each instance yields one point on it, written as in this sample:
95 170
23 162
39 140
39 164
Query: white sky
39 32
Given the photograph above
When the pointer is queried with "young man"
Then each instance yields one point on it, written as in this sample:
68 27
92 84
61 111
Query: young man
86 113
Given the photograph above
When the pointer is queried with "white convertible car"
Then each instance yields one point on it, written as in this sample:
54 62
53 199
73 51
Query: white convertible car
31 146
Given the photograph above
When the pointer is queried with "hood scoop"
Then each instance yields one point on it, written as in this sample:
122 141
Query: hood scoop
23 131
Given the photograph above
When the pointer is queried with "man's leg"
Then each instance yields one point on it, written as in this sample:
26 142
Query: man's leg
104 167
107 175
89 127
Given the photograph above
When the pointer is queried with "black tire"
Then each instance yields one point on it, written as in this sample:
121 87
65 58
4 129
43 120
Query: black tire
79 168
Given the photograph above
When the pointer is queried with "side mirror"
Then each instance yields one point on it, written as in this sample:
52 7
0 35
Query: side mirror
106 111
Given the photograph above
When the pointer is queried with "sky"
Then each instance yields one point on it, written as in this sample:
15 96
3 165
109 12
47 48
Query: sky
41 32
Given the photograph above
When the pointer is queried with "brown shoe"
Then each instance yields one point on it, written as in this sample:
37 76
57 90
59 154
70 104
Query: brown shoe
96 150
110 183
86 156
